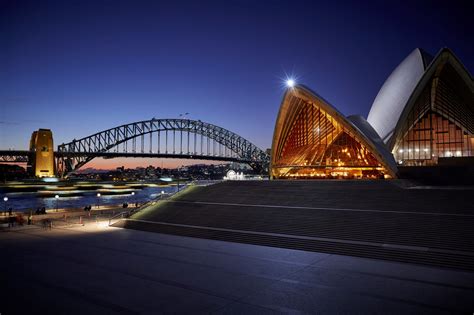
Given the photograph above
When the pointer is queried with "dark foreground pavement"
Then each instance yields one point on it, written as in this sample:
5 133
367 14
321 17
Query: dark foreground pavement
104 270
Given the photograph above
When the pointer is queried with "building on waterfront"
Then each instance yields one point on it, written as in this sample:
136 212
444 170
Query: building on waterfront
312 139
424 111
422 116
41 164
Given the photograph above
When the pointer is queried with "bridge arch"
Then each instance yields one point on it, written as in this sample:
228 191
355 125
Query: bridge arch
131 137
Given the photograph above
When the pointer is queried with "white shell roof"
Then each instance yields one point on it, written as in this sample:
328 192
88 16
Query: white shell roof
356 123
395 93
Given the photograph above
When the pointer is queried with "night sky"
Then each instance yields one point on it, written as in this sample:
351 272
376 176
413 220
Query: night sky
78 67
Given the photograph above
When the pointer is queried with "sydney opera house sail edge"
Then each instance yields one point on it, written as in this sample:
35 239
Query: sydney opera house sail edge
312 139
422 115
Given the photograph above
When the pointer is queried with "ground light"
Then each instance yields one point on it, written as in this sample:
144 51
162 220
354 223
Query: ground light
98 200
102 224
5 199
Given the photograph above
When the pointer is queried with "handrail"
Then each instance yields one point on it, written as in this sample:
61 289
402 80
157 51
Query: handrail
121 214
146 204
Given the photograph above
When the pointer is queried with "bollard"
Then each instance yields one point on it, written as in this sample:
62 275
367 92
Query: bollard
80 220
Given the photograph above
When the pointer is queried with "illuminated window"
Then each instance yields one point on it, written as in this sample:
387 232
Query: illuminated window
312 140
441 122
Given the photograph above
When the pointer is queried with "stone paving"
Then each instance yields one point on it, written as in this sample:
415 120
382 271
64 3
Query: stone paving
98 269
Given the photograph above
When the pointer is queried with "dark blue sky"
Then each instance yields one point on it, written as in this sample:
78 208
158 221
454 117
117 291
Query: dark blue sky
78 67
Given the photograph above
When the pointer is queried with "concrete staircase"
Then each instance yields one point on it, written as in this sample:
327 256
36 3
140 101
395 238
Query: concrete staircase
373 219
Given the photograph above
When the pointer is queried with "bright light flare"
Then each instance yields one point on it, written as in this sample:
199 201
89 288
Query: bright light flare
103 224
50 179
289 80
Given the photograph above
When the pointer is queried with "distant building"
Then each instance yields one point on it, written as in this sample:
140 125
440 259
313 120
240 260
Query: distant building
232 175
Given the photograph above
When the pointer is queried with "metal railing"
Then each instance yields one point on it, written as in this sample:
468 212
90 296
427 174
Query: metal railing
179 138
161 197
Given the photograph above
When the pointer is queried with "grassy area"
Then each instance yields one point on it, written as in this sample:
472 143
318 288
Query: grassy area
155 208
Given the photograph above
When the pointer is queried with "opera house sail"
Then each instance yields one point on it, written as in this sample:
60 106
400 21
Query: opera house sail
422 116
312 139
425 110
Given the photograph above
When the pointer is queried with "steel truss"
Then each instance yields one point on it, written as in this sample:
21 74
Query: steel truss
178 138
14 156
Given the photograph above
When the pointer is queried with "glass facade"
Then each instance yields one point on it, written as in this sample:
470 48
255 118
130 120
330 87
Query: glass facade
314 143
440 124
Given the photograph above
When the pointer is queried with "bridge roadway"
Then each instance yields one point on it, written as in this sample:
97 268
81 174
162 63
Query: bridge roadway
14 156
373 219
160 138
21 156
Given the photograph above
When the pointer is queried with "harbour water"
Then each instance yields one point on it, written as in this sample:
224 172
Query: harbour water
31 197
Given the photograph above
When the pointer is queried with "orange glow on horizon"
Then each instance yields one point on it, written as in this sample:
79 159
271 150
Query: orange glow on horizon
111 164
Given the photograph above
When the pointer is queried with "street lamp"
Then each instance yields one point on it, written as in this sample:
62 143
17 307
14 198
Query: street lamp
98 200
5 199
133 194
179 174
57 200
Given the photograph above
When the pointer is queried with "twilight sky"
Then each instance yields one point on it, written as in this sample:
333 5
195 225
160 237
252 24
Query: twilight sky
78 67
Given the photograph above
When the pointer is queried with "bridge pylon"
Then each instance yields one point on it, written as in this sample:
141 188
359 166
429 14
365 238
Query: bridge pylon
41 157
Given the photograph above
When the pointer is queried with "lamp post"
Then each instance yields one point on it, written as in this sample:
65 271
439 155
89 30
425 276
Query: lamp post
133 194
5 199
57 200
98 200
179 174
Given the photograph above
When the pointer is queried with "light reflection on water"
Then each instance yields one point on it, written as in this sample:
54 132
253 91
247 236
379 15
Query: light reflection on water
30 200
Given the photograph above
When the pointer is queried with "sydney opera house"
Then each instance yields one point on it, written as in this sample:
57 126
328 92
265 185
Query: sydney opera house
423 116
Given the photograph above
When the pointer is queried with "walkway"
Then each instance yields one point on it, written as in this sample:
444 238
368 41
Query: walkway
96 269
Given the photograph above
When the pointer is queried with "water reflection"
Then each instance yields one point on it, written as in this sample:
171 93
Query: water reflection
81 198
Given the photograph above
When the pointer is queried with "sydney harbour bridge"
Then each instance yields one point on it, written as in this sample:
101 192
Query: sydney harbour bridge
155 138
